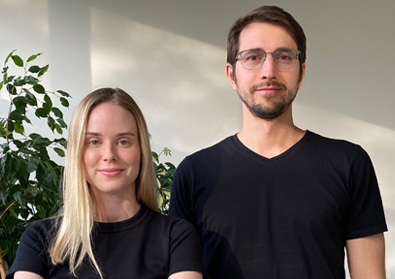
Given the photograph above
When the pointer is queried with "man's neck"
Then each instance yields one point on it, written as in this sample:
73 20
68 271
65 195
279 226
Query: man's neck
269 137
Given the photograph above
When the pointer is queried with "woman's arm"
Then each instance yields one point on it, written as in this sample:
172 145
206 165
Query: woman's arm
186 275
26 275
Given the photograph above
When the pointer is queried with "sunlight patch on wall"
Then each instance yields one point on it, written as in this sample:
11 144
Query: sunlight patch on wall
177 81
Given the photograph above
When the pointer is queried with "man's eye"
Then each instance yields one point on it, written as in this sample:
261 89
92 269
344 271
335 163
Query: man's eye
253 57
284 56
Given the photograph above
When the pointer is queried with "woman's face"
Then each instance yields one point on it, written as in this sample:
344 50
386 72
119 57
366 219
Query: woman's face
111 154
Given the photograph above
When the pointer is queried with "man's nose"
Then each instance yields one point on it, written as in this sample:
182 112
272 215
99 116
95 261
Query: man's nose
268 70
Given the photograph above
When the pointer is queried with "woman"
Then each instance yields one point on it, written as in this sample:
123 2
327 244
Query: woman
109 227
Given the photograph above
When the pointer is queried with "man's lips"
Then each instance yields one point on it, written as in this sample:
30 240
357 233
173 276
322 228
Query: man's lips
268 90
110 171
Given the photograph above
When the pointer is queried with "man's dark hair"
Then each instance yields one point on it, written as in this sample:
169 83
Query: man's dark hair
268 14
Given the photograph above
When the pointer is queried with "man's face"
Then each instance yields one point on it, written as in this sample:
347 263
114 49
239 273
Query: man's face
269 91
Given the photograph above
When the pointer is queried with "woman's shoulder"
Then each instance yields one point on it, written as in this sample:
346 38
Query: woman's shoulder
169 221
41 229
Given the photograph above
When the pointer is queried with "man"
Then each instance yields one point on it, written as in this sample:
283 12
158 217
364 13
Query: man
275 201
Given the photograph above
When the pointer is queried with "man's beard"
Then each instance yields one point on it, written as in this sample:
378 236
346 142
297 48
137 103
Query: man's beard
277 108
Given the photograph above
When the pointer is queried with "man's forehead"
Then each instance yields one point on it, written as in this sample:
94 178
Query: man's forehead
258 34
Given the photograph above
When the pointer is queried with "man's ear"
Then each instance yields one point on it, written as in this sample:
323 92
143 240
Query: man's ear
229 73
301 77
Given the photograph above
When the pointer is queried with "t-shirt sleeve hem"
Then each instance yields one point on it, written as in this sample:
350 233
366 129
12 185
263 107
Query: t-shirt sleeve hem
368 232
182 268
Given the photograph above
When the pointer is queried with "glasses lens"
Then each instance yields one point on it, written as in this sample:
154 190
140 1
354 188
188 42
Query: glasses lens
252 59
285 58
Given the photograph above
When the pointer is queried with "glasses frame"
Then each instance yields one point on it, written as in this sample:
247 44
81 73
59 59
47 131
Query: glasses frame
297 51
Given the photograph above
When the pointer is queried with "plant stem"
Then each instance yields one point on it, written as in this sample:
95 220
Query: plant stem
2 268
8 207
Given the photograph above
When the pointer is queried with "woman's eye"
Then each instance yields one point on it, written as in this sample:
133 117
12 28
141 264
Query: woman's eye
94 142
123 142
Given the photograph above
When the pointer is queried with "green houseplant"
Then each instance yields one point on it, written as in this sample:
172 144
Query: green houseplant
164 174
29 178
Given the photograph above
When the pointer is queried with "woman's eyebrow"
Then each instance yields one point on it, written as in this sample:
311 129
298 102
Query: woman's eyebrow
119 134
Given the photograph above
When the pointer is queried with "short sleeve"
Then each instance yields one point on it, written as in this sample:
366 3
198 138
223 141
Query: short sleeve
185 248
181 193
32 252
367 213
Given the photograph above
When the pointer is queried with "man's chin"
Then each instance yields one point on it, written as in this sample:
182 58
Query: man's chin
267 113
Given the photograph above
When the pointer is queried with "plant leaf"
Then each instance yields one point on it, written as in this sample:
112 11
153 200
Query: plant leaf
19 81
58 129
43 70
64 102
34 69
40 112
19 128
17 60
57 112
51 123
10 125
31 80
30 98
59 151
16 115
63 93
39 88
61 122
9 56
32 57
11 89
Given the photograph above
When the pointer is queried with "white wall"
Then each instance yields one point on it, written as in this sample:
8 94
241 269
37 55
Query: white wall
170 55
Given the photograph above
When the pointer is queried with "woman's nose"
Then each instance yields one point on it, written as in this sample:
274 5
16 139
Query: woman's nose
109 152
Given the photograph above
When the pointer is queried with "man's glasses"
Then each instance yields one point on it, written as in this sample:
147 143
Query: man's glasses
252 59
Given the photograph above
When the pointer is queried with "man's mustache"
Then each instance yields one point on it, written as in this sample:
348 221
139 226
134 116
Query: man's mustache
268 84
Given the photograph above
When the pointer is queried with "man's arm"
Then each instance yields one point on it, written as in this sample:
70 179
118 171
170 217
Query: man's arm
186 275
366 257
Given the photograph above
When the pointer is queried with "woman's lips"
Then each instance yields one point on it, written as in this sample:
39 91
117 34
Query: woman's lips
110 172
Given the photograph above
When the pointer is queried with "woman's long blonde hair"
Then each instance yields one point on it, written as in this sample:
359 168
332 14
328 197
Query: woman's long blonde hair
72 241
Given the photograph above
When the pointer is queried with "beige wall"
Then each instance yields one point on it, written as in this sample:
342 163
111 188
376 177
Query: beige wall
170 56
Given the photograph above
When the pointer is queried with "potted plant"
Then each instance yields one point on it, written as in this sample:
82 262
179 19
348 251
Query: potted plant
29 177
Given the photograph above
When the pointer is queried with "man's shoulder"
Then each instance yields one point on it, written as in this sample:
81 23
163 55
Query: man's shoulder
321 139
211 152
216 147
332 145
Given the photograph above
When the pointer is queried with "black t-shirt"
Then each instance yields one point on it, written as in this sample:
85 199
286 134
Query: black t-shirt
148 245
279 218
